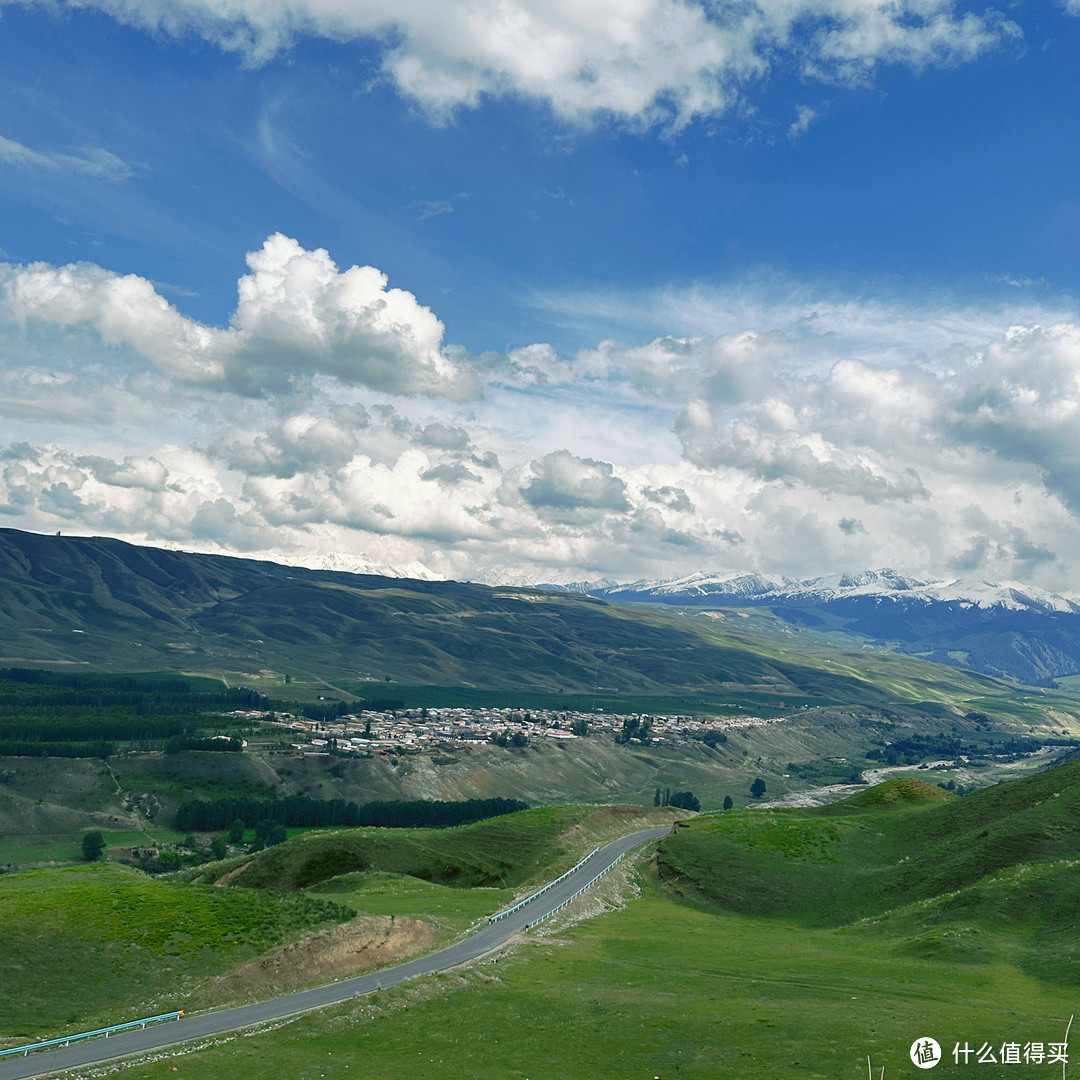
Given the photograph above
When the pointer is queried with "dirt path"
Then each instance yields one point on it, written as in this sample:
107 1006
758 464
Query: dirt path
143 821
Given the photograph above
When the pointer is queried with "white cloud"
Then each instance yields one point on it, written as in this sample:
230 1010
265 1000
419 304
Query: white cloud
297 313
643 61
297 316
566 487
804 117
91 161
805 437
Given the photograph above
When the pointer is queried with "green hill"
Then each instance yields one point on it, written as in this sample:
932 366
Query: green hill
505 852
85 944
100 604
991 874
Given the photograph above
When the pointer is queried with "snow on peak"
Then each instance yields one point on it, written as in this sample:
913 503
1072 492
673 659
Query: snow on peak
359 564
733 586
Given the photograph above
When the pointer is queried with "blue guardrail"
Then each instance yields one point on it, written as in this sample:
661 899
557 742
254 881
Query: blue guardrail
105 1031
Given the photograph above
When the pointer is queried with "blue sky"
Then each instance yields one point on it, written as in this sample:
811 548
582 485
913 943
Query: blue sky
636 288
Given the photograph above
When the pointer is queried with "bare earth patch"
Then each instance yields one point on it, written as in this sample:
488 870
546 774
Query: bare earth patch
605 823
227 877
341 951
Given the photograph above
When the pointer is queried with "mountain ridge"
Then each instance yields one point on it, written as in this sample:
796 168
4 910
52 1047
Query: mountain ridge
104 604
1008 630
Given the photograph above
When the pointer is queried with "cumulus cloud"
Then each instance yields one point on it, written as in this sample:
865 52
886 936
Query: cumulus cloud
297 316
563 485
124 309
770 447
444 436
301 443
672 497
649 62
449 473
147 474
785 447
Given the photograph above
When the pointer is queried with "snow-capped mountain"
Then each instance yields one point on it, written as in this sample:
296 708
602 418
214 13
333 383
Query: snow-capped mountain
1006 629
731 588
358 564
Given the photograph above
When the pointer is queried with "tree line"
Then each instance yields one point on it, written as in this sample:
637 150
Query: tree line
682 800
18 748
302 811
29 689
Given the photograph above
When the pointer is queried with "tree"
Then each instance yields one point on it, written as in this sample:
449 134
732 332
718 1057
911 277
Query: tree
93 845
169 860
656 798
728 802
236 831
685 800
580 727
219 846
263 828
757 788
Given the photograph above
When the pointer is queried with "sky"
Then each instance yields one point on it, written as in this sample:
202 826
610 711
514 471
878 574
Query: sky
537 290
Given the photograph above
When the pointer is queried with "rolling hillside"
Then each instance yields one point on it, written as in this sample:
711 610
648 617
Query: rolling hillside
991 875
95 603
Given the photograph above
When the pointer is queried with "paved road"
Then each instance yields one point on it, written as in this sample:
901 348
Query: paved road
158 1036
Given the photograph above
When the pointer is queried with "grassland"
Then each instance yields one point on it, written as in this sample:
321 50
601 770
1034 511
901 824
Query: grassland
657 989
506 852
101 942
895 845
802 942
96 943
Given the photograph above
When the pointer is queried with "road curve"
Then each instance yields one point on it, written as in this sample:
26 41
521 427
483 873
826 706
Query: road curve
159 1036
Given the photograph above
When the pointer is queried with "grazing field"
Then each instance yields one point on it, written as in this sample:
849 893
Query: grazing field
755 945
900 843
100 943
505 852
657 989
19 850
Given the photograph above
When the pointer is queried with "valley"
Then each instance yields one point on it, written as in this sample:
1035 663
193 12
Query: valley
932 893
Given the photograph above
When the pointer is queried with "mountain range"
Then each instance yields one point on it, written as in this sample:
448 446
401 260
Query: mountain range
1006 630
95 603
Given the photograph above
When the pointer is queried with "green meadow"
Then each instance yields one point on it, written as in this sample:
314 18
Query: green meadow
504 852
659 989
748 944
100 943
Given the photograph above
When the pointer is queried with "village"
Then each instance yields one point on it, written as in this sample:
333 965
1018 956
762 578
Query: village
414 730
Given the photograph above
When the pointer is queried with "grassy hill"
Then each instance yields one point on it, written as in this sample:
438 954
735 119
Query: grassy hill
504 852
89 944
992 875
96 603
814 941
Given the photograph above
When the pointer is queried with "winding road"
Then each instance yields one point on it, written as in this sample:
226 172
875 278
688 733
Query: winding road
485 940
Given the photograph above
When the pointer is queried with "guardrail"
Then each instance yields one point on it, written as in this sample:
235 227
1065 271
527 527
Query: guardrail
575 896
105 1031
540 892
